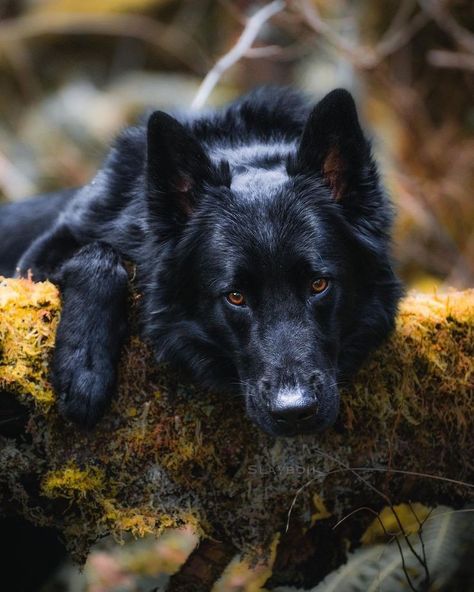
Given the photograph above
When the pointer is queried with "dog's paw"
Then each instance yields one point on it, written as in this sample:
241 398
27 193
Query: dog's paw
84 382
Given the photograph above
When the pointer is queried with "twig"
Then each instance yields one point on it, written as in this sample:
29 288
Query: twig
244 43
447 23
392 42
392 537
451 59
263 52
387 499
323 475
360 56
356 511
414 474
405 8
354 470
391 506
422 542
314 20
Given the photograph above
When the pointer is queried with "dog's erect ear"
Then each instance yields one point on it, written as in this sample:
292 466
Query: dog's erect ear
333 144
177 166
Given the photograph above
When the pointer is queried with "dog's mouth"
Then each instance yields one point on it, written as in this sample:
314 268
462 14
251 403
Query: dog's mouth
321 418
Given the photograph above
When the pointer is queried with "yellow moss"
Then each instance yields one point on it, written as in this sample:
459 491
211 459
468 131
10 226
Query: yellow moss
29 313
321 513
141 521
426 370
71 481
123 520
193 521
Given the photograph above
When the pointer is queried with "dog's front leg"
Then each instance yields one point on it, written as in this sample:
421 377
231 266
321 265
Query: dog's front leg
93 284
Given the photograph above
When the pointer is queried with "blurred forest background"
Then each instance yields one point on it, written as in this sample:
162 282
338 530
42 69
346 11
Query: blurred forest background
73 72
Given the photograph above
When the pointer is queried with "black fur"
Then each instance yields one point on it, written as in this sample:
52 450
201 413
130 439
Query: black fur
262 198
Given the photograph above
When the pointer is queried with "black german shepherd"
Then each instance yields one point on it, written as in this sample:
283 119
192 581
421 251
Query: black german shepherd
261 239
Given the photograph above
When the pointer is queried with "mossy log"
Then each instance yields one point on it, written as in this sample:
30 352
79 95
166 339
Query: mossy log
168 453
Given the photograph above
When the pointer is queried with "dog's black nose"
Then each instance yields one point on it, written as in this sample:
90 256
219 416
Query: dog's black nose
294 407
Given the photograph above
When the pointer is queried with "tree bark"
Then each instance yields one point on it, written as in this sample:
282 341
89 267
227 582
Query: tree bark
203 567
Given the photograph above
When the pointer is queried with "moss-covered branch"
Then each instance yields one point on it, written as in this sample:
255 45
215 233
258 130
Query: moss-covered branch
167 453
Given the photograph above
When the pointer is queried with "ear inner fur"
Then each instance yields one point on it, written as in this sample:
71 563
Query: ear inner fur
176 164
334 170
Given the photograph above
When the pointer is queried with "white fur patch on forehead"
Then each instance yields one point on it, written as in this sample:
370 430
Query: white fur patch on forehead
258 178
260 167
252 154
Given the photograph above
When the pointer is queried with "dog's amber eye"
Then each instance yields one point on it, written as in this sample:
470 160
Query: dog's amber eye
236 298
319 285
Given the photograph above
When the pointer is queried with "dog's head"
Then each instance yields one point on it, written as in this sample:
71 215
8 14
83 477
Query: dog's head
272 276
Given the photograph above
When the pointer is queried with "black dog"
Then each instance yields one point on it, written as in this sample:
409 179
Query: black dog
261 237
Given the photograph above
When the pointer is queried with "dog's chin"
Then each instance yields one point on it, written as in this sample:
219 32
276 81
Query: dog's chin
322 421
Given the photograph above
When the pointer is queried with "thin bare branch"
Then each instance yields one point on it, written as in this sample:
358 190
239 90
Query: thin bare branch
314 20
263 52
451 59
447 23
405 8
422 542
396 36
244 43
390 43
